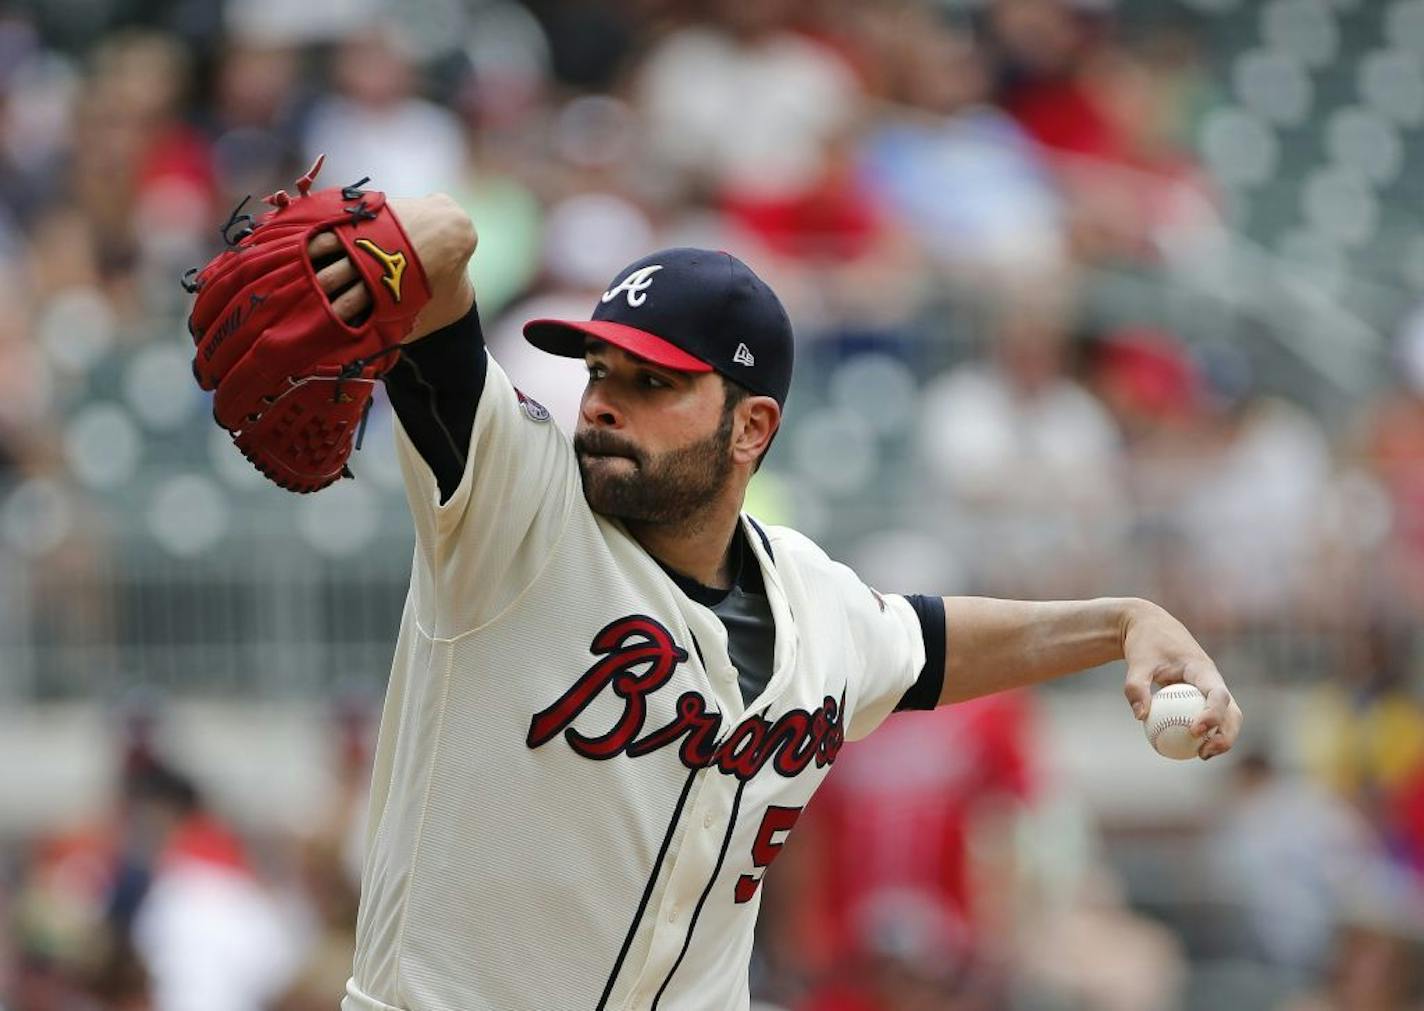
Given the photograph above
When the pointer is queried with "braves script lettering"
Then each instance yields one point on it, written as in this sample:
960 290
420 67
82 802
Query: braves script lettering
639 657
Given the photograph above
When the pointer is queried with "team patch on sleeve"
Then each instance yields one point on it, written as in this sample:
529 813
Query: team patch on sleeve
532 409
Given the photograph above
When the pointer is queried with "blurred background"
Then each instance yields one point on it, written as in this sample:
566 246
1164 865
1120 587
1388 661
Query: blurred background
1091 298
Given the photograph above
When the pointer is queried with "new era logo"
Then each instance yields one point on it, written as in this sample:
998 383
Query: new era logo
743 355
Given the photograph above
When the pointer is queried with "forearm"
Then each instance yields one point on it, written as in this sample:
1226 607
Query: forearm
995 645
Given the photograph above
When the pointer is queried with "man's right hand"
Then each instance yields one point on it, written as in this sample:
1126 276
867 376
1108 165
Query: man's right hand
444 240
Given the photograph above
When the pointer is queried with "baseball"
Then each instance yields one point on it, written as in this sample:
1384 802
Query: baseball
1168 723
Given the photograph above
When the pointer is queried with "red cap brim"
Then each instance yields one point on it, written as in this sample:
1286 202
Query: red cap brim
567 337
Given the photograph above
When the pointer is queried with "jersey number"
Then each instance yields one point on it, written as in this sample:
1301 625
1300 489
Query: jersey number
767 845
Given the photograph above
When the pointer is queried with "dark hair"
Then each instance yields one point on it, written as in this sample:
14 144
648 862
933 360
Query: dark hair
159 784
733 393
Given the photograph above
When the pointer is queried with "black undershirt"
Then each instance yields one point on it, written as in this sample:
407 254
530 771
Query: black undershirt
745 612
435 389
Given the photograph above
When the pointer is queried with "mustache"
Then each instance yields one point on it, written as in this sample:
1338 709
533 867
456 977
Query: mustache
600 443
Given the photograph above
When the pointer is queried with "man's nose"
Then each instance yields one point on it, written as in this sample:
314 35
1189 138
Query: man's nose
599 410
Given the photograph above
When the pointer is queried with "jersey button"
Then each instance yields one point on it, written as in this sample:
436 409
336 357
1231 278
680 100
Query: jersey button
707 821
672 915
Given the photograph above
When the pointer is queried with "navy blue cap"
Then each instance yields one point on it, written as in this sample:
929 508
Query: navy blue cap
694 310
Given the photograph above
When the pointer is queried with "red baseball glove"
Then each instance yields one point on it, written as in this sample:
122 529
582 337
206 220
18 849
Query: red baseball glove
293 380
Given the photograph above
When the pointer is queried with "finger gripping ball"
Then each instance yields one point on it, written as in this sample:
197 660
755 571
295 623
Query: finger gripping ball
1169 721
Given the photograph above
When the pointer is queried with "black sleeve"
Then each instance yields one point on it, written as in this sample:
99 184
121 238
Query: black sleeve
925 692
435 387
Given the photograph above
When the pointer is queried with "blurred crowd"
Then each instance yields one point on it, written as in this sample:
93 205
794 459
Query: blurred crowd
947 197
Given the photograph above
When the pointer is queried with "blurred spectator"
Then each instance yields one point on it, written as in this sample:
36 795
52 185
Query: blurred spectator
1374 967
902 964
1247 507
1041 47
375 125
156 902
588 239
507 79
590 43
1148 381
142 162
1365 733
210 936
1294 859
957 172
1140 202
1025 457
255 120
26 424
780 97
1392 444
1093 951
904 859
1109 115
39 87
329 857
325 966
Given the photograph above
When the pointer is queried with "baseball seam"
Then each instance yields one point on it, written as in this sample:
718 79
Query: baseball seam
1164 722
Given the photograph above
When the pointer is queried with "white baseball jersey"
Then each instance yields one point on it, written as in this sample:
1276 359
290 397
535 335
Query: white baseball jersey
572 808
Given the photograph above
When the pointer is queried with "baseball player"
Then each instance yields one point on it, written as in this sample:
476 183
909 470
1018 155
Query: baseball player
613 692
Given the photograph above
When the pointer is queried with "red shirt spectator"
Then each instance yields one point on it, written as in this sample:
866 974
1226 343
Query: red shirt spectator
895 819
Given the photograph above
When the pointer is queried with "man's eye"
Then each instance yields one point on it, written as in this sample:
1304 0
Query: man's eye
655 382
595 372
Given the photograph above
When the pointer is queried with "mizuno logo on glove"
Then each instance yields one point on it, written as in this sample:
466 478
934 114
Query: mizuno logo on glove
392 265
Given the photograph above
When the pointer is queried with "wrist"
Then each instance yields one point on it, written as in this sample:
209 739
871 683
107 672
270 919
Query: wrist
451 303
1130 611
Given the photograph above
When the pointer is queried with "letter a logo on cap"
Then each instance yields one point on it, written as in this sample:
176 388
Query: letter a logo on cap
743 355
636 285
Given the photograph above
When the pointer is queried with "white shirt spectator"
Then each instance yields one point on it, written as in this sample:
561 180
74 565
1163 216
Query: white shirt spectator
982 438
755 116
213 940
1250 516
1031 479
362 140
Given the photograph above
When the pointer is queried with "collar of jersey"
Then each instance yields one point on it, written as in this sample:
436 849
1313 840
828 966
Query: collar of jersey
783 660
747 576
784 653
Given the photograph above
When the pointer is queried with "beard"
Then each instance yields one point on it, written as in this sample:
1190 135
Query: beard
624 482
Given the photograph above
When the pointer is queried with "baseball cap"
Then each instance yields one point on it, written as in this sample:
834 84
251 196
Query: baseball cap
694 310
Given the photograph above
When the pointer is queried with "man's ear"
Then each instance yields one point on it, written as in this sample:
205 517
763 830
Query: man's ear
758 419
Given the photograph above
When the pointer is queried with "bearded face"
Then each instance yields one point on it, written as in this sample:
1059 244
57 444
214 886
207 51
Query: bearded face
626 482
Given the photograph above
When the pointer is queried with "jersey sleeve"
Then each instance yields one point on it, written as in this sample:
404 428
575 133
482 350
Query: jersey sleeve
892 654
897 643
489 478
925 692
